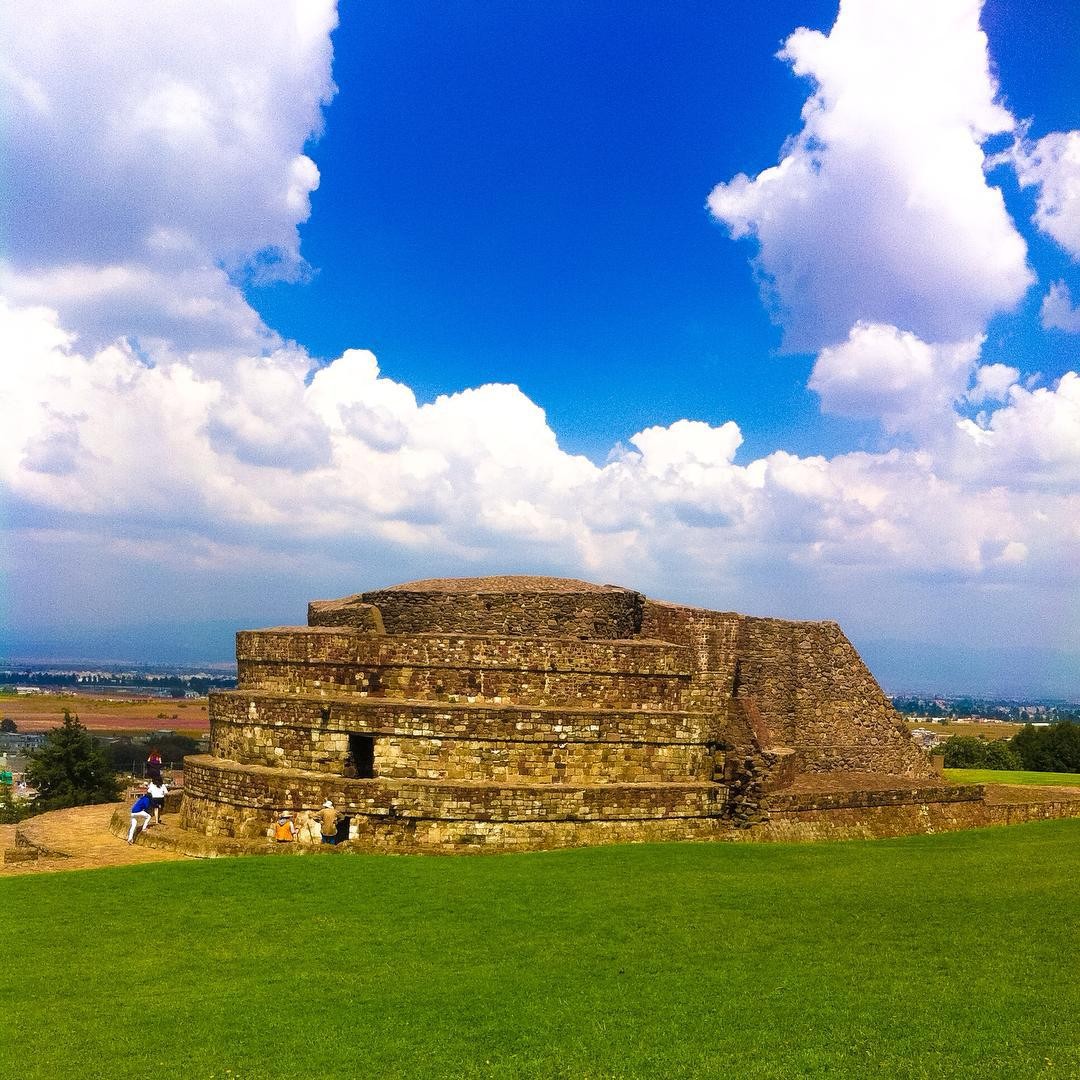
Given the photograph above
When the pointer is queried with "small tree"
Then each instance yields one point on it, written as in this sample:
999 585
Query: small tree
69 770
12 810
8 726
971 752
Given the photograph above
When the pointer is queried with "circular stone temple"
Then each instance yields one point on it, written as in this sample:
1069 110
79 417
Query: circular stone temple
526 712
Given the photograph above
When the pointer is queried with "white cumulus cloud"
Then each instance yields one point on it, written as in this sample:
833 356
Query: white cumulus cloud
160 441
1052 164
147 145
884 373
270 452
1058 311
879 209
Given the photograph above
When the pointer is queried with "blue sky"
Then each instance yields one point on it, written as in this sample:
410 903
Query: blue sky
538 208
648 303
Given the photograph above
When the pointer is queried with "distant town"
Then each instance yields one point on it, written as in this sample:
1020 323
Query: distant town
987 710
107 679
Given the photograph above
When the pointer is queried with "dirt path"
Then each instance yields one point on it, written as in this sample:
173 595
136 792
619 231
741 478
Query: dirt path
82 835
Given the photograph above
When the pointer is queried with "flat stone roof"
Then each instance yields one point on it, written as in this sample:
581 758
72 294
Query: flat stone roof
508 583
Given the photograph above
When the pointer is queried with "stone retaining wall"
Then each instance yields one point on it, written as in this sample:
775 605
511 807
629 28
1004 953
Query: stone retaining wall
467 742
818 697
311 644
804 802
570 688
867 821
324 749
349 612
379 716
804 681
635 675
711 636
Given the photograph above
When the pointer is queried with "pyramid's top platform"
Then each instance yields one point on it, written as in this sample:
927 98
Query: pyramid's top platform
511 605
507 583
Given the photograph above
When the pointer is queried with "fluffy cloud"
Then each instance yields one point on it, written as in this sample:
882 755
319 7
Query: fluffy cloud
1052 164
132 175
178 138
1032 442
186 308
992 383
276 450
1058 311
879 210
884 373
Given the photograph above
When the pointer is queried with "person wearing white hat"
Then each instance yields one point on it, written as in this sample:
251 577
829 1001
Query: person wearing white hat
328 822
285 829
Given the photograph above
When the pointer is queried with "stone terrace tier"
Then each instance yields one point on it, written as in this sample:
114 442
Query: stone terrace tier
638 675
228 799
494 743
522 606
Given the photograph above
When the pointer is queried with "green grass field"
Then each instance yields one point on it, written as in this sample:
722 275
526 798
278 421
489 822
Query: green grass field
1002 776
930 956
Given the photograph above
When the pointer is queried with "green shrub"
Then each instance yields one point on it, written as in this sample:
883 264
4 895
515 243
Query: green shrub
1050 749
972 752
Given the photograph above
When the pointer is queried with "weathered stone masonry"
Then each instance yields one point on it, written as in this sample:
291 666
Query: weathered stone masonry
533 712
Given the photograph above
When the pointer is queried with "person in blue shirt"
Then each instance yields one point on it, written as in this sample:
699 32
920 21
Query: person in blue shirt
141 809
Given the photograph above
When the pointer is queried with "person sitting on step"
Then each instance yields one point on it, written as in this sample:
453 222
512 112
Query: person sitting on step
285 829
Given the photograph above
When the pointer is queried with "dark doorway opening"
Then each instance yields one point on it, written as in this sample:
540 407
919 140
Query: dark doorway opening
342 834
362 753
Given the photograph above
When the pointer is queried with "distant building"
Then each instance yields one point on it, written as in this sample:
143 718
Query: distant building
20 742
927 739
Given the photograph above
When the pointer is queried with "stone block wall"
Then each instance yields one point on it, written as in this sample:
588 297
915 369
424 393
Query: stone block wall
817 696
493 744
509 721
531 671
593 612
711 636
226 799
520 761
349 611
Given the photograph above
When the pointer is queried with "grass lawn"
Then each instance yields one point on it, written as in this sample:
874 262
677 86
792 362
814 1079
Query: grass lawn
928 956
1002 776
